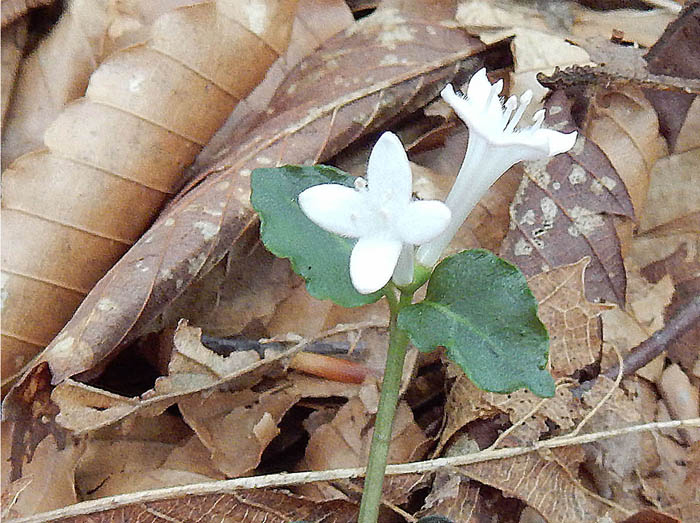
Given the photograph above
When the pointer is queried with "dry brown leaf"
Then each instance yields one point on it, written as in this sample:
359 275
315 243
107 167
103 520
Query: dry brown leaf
47 480
324 95
683 266
454 497
193 368
612 463
545 482
549 481
222 304
540 41
627 328
625 126
563 208
131 459
465 403
98 462
33 420
329 18
13 41
572 321
681 398
237 427
13 9
669 239
268 505
345 442
120 152
300 313
650 516
57 72
671 484
676 55
193 457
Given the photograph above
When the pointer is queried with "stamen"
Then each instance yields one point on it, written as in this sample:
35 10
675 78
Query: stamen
494 91
360 184
510 106
538 118
525 99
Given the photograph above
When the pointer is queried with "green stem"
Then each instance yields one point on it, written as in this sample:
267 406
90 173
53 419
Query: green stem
398 341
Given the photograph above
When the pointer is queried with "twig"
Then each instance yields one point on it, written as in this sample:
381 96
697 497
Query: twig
682 321
607 395
225 346
517 424
280 480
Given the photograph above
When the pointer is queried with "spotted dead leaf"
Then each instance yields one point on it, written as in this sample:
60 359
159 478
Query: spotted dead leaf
327 101
563 211
625 126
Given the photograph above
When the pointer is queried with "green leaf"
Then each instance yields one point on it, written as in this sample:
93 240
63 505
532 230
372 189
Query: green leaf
480 308
320 257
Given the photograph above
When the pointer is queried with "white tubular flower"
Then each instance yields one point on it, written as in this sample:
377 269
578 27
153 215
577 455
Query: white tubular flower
381 213
494 146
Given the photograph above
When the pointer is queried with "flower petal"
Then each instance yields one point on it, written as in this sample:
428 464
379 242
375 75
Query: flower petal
479 87
372 263
423 221
559 142
335 208
388 172
403 272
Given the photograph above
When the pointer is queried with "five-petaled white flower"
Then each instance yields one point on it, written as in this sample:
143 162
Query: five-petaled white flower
381 213
494 146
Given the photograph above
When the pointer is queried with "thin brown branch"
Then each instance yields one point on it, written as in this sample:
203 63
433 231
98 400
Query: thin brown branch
687 316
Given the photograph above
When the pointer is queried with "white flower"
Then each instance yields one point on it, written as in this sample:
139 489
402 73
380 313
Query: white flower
381 213
494 146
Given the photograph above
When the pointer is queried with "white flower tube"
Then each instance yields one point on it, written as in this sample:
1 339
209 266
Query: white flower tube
381 213
494 146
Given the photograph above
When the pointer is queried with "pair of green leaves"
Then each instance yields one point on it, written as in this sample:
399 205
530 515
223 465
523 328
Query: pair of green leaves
477 305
